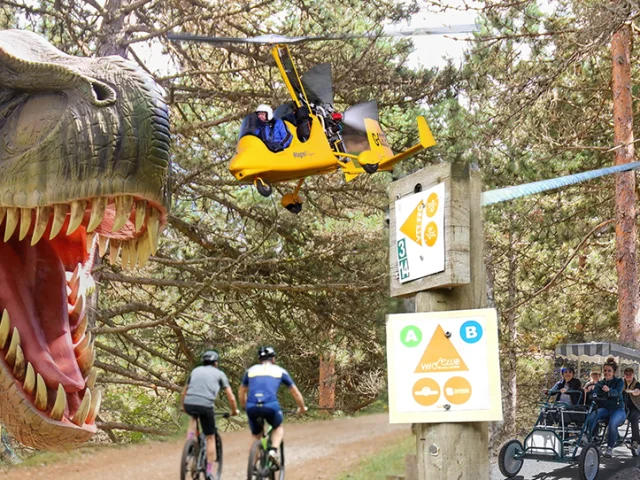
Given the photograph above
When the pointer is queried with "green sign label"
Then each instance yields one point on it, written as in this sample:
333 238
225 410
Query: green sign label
411 336
403 261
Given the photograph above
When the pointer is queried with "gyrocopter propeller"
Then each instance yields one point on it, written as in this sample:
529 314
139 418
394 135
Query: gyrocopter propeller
307 135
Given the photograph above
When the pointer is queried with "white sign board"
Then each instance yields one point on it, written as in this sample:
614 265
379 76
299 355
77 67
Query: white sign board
420 233
444 367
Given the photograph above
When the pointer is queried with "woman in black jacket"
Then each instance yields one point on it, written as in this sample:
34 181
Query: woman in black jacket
568 390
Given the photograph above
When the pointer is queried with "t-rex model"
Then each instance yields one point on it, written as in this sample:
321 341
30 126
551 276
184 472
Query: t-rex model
84 156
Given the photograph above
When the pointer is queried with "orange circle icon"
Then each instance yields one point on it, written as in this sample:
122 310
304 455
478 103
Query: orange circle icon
431 234
457 390
426 392
432 204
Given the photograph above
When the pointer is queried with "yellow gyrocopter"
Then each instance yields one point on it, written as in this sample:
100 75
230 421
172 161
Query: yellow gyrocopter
323 139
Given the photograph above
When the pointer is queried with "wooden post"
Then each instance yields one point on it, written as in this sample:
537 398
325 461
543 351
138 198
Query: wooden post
460 451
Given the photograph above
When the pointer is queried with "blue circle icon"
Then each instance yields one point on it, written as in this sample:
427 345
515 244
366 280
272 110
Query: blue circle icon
471 331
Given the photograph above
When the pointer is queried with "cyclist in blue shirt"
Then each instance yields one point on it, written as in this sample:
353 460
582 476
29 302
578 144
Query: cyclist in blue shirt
272 131
258 396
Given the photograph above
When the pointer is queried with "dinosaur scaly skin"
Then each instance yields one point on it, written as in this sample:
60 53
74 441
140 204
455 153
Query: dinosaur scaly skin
84 156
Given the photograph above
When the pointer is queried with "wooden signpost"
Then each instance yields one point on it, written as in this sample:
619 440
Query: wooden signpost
455 280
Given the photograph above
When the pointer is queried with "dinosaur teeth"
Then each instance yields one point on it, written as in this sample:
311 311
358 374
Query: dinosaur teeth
20 365
11 223
95 406
42 220
30 380
5 328
103 243
123 211
83 410
77 214
73 277
83 345
153 228
72 292
25 222
144 250
89 239
91 380
141 212
98 207
114 251
80 329
126 255
133 252
40 400
59 215
60 405
78 307
85 360
10 358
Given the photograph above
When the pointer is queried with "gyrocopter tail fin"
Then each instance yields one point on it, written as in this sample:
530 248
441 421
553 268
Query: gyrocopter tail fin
426 141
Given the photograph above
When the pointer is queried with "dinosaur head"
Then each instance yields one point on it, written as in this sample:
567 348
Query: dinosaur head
84 157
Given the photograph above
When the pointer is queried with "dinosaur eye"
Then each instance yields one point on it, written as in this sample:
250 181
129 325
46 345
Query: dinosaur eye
103 93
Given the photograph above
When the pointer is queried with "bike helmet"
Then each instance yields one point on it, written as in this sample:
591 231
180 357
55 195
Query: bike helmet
210 357
265 353
266 109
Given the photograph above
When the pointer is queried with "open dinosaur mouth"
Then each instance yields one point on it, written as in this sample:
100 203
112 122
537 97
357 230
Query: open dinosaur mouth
46 257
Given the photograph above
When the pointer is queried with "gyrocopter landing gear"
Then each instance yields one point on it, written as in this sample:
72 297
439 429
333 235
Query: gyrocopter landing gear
264 188
292 201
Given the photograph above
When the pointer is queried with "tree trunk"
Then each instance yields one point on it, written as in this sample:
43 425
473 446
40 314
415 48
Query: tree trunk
626 262
112 34
327 381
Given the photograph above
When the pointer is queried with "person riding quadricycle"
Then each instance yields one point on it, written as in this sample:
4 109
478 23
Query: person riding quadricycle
574 431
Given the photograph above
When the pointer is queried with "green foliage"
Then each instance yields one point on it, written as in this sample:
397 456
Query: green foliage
389 460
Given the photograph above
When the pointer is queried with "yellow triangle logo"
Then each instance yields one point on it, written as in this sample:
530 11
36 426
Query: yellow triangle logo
412 226
440 356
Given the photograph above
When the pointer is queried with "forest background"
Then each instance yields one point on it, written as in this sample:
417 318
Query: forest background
531 100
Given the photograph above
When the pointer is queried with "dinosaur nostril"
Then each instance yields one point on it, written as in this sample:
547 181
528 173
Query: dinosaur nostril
103 93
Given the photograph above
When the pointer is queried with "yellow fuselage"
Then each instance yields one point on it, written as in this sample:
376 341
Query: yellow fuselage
254 160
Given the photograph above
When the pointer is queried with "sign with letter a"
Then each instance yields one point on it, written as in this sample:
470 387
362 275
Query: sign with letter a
444 367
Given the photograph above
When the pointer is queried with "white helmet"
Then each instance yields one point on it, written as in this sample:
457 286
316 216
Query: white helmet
267 109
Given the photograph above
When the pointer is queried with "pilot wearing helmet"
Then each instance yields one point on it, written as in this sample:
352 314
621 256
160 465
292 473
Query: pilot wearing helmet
272 131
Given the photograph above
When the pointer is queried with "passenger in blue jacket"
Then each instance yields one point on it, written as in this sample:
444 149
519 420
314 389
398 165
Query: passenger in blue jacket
609 391
272 131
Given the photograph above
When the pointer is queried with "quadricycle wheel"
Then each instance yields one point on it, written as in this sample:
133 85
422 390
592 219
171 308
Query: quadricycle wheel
510 460
589 462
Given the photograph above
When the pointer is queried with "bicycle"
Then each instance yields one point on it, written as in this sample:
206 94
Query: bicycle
193 465
260 465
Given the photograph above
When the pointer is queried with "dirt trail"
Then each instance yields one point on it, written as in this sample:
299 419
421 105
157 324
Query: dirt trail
314 451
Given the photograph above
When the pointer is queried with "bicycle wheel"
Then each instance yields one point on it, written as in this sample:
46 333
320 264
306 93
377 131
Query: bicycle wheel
257 459
217 469
188 464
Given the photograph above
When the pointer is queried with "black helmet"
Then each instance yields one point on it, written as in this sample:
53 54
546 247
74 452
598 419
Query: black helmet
210 357
265 353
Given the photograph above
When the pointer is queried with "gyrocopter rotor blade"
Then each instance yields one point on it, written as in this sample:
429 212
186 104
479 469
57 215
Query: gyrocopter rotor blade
274 39
318 84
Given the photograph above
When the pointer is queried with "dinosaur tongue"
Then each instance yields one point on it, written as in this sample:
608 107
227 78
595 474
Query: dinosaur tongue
35 294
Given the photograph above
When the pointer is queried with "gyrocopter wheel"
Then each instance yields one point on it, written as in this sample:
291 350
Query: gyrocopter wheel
370 167
264 188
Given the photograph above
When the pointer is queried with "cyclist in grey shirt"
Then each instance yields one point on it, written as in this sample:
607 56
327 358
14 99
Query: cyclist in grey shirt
198 396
